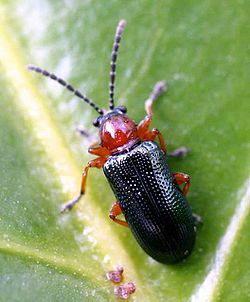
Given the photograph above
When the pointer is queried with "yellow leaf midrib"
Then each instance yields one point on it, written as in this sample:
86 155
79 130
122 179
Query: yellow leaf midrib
32 106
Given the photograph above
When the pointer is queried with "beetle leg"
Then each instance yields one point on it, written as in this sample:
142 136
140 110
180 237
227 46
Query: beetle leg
159 88
95 163
115 211
179 152
98 150
182 178
82 131
151 136
197 219
143 128
144 125
145 134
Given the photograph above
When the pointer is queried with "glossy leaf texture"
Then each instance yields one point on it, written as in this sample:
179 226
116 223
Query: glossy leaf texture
201 49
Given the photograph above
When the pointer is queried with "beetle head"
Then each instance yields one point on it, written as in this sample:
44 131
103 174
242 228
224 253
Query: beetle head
117 130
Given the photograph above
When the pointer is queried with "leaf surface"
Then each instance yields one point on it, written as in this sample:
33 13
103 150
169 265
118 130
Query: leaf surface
202 50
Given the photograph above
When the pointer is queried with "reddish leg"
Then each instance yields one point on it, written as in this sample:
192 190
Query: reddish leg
98 150
145 134
95 163
151 136
143 128
116 211
182 178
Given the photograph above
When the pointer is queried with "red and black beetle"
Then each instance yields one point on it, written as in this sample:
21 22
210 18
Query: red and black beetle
147 192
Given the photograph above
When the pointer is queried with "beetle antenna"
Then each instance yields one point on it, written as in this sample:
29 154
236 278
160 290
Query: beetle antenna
114 53
66 85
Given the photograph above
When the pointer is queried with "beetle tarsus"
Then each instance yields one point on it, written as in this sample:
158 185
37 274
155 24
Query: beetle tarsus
82 131
158 89
85 134
179 152
197 219
69 205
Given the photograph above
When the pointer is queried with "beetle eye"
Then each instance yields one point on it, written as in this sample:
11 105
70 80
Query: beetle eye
96 122
121 109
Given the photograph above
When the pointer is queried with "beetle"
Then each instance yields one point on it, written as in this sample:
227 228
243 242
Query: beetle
148 193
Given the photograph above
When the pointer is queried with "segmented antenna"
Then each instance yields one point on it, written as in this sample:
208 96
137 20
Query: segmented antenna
66 85
115 48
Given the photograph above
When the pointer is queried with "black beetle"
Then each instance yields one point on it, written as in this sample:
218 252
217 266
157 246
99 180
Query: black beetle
147 192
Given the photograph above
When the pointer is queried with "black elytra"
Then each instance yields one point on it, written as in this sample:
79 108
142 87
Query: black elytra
153 205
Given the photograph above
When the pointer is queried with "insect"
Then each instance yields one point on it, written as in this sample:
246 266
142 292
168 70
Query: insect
148 193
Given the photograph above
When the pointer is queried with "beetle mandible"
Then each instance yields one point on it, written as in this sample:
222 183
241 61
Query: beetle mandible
147 192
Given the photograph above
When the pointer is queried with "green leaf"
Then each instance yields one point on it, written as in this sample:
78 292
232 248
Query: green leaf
201 49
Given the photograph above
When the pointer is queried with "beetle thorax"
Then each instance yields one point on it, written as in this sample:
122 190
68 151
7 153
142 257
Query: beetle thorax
118 132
